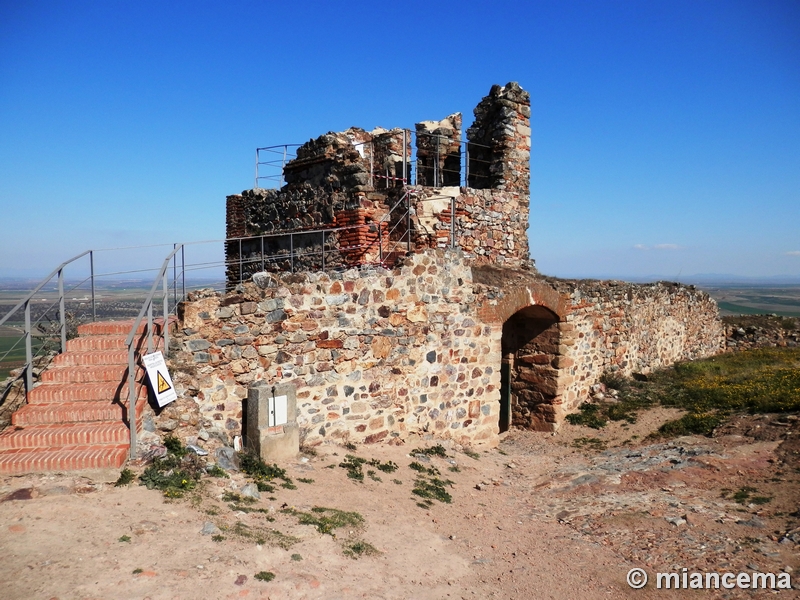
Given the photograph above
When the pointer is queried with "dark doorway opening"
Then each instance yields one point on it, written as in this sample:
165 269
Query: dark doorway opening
527 375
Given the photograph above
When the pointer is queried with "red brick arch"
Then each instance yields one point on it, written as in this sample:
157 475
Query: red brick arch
522 296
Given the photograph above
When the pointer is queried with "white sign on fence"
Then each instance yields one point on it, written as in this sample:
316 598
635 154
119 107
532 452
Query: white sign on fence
159 378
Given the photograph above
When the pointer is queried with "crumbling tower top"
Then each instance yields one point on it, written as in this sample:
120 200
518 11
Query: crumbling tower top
500 140
361 197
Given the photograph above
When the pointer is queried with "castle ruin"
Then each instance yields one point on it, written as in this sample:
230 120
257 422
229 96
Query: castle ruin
390 283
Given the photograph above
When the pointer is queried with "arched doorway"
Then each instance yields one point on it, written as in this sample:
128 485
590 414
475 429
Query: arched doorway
528 377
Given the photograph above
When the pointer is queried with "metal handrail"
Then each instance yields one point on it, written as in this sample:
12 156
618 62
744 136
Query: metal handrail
25 302
147 308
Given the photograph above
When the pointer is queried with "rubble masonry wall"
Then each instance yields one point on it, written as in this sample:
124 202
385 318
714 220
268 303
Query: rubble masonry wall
375 355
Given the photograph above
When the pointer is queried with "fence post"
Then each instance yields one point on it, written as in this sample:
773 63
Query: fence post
150 326
452 222
262 253
183 273
408 221
291 252
165 289
62 317
28 350
405 156
466 164
323 249
283 166
175 276
91 276
436 174
132 399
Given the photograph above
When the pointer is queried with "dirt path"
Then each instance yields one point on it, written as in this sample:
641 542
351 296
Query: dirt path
536 518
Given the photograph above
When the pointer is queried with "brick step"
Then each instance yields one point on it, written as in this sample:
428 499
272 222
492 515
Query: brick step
117 327
88 374
84 392
73 412
92 357
110 342
68 458
64 434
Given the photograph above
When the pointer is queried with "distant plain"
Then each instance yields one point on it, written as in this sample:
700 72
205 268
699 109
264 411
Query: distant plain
757 299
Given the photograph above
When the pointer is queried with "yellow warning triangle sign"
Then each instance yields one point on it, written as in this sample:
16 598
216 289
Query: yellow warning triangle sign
163 386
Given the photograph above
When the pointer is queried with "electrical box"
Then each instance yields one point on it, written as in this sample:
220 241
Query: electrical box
278 410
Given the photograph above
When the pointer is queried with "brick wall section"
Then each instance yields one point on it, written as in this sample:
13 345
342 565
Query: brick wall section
235 216
491 225
375 355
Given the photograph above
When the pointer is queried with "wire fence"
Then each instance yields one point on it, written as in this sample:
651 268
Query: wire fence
426 159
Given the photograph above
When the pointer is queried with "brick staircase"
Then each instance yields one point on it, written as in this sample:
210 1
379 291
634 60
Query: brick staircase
76 417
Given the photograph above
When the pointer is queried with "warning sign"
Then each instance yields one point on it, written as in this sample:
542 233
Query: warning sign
159 378
163 386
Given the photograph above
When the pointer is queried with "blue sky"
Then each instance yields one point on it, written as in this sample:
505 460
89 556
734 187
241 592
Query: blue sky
666 134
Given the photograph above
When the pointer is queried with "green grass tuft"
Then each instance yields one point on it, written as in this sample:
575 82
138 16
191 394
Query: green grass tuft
433 488
437 450
326 520
353 465
217 471
126 476
358 548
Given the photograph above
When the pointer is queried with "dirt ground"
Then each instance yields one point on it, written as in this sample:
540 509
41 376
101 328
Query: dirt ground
559 516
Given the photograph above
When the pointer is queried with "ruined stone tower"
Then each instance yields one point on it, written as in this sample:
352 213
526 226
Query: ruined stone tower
358 197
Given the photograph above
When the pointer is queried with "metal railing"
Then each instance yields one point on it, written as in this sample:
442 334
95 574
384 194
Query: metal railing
328 248
378 241
435 167
29 325
147 309
270 162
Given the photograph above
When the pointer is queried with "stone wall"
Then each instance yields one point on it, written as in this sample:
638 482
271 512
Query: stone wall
606 327
375 355
440 345
490 225
500 140
386 355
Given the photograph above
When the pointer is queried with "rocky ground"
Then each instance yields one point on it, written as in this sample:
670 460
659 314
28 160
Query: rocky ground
542 516
743 332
